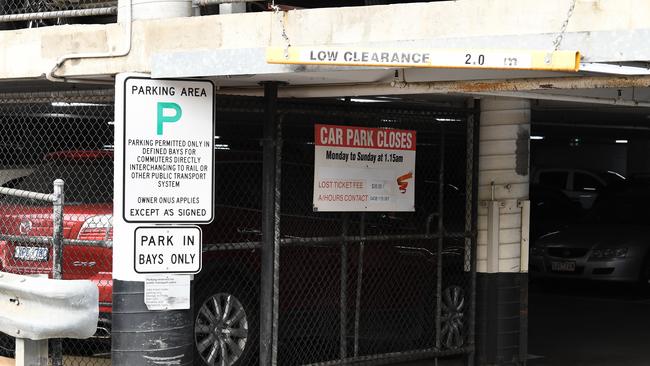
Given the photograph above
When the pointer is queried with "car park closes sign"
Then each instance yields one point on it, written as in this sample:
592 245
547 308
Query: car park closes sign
364 169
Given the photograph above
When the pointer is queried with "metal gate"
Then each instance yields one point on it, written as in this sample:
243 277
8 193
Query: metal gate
280 281
343 287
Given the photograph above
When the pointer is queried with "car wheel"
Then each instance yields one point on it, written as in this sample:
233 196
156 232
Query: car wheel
225 328
452 330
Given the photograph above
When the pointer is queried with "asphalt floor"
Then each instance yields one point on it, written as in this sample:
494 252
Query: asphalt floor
588 324
573 324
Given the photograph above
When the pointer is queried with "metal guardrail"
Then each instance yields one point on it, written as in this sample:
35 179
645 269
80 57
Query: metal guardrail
41 308
57 200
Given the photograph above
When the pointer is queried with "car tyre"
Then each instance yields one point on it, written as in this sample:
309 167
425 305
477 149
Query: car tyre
225 323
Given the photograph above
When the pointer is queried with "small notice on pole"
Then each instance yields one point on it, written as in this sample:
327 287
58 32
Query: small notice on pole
167 292
364 169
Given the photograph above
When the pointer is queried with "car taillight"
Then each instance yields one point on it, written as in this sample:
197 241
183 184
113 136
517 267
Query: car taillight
97 228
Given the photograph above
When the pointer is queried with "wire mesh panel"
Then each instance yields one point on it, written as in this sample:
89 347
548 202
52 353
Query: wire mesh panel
42 139
372 286
375 285
18 14
226 292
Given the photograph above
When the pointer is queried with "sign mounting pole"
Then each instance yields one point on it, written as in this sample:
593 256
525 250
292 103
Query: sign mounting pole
164 186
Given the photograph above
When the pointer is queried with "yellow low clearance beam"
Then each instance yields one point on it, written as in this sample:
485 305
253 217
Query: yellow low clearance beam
428 58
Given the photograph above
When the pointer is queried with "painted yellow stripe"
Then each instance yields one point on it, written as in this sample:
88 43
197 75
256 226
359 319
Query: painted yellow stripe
430 58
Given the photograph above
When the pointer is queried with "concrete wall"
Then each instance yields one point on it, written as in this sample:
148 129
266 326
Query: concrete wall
399 24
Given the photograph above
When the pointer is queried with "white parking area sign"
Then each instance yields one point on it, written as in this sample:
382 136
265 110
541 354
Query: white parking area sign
164 178
167 249
168 150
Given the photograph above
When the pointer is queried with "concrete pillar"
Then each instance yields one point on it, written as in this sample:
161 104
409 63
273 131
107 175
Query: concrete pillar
154 9
141 336
504 141
232 8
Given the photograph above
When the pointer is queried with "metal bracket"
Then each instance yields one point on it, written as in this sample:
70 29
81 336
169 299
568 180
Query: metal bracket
31 353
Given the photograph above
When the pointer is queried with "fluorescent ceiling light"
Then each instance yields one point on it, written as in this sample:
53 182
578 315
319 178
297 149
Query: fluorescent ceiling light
364 100
621 141
537 137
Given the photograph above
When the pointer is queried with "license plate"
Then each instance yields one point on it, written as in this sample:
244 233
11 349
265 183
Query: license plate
563 266
31 253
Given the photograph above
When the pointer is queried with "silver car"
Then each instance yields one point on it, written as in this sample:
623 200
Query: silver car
611 245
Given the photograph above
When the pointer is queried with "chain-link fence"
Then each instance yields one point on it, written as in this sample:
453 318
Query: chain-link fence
19 14
45 137
349 287
375 286
372 287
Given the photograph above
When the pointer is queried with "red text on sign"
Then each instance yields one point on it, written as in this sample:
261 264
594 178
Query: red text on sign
363 137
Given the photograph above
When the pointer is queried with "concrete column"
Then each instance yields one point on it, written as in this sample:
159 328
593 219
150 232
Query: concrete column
232 8
154 9
504 140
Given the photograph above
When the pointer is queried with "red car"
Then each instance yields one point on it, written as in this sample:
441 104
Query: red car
87 220
229 281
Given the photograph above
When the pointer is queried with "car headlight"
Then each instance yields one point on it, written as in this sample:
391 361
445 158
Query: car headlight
605 254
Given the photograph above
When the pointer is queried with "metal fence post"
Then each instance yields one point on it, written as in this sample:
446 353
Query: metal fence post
57 257
31 353
475 121
343 349
441 208
357 302
269 220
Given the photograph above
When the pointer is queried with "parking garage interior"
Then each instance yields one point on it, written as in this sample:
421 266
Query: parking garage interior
582 157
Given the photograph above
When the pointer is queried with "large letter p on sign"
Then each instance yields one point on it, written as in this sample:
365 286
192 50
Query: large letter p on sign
165 117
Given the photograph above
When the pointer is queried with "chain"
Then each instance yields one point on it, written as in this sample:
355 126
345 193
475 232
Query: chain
560 36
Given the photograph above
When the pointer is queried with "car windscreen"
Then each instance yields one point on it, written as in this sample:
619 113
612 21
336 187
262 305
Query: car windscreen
85 182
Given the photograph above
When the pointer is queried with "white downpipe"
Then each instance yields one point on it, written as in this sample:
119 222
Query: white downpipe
123 5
